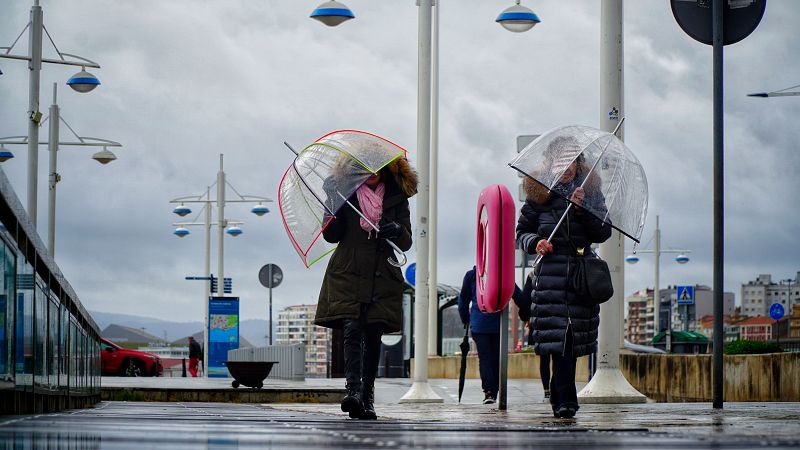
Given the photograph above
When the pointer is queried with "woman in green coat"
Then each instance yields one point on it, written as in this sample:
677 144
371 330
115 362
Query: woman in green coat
361 292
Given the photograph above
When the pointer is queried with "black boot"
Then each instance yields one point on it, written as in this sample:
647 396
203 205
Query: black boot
351 403
368 400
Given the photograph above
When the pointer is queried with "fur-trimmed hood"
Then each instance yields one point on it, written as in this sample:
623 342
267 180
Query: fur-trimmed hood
404 175
537 193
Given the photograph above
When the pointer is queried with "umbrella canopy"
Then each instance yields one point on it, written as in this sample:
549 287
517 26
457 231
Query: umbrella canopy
613 178
321 179
462 372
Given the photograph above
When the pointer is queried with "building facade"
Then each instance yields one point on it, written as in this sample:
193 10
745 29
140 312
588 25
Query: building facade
639 325
49 344
756 329
296 325
760 294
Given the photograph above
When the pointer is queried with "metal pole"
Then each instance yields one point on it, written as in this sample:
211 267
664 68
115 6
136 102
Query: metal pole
433 288
502 395
52 145
657 290
270 304
221 218
609 385
421 391
208 283
34 116
719 225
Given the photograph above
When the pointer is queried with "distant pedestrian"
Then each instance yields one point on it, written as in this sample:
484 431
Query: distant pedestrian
362 293
562 327
485 330
195 356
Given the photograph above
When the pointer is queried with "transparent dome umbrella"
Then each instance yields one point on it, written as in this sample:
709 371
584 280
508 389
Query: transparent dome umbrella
320 181
614 181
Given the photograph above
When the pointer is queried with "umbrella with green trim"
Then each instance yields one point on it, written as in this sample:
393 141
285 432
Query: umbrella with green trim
320 181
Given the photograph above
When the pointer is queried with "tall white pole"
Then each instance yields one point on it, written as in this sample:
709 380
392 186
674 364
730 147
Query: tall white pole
34 116
55 118
608 385
433 290
221 218
421 391
208 284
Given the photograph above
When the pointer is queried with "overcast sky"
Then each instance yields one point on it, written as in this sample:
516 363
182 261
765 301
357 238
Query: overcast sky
184 81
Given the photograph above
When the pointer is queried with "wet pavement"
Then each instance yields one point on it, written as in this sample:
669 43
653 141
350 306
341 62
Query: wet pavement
527 423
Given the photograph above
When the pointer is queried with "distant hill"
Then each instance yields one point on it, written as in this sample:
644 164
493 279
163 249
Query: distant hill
254 330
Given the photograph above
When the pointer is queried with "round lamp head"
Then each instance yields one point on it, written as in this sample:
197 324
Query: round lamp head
182 210
181 232
259 210
5 155
83 82
631 259
234 231
104 156
332 13
517 18
681 259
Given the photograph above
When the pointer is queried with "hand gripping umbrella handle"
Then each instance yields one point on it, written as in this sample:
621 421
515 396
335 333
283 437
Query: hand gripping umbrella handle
570 205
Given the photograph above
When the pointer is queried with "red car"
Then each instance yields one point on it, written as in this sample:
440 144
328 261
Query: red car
124 362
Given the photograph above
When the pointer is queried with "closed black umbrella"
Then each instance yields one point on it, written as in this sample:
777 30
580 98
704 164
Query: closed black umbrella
462 373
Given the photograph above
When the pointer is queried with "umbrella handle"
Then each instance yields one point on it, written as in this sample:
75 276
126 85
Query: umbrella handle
393 261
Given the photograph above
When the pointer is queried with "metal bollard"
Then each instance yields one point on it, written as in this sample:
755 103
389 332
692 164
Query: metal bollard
183 367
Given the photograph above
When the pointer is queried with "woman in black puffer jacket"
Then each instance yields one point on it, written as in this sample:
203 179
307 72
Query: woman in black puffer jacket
560 326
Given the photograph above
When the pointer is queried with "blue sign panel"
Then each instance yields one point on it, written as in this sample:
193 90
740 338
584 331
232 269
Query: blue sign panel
685 295
411 274
776 311
223 333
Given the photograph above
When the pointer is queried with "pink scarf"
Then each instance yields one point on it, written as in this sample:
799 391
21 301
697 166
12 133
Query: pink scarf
371 205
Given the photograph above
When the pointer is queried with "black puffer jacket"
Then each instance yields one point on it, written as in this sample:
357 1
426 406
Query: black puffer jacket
552 303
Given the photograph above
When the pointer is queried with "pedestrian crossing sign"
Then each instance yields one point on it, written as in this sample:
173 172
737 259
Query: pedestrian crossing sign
685 295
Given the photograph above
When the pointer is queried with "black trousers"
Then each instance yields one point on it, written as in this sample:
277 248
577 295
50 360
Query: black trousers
362 346
562 387
544 371
488 360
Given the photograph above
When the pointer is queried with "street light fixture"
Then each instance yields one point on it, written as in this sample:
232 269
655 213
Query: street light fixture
224 225
332 13
517 18
779 93
5 154
682 258
83 82
104 156
36 32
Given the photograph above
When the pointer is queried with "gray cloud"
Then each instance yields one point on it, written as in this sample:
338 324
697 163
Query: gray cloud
185 81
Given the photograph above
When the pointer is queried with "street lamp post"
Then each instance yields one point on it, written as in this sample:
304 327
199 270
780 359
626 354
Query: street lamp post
680 259
85 82
222 223
53 143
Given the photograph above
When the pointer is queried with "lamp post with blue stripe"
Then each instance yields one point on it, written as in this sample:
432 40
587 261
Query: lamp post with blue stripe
81 82
682 258
230 227
53 143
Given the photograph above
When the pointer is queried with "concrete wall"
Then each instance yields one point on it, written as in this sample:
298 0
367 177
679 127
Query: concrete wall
687 378
520 365
668 378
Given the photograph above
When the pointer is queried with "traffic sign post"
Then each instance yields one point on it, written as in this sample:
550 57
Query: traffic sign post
270 276
685 297
718 23
776 311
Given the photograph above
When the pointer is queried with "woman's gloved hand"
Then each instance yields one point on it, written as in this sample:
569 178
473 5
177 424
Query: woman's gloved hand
390 230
